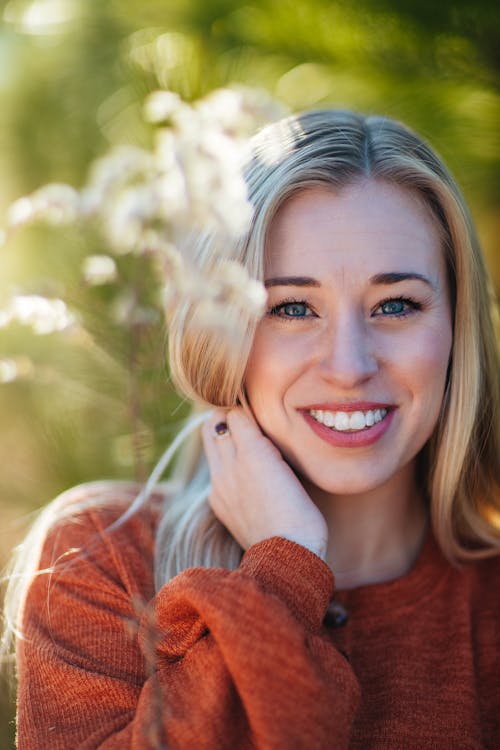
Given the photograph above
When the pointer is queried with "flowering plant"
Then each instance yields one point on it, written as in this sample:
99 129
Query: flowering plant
142 200
140 203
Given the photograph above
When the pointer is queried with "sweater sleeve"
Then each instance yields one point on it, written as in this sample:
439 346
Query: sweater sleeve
216 659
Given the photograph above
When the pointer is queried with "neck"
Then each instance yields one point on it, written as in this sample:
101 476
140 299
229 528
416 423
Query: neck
375 536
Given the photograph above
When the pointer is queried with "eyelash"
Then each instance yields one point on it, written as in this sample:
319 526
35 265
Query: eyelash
411 306
410 303
275 309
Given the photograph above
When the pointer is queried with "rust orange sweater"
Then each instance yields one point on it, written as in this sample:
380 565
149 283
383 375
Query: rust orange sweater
221 660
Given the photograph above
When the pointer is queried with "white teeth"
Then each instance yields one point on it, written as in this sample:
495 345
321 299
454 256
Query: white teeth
341 421
357 420
352 421
328 418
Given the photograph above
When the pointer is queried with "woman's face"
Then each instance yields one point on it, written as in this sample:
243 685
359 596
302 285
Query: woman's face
348 367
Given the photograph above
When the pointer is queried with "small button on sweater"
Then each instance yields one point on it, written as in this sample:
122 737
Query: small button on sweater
247 659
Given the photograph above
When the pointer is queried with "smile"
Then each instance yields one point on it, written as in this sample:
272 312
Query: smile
350 425
342 421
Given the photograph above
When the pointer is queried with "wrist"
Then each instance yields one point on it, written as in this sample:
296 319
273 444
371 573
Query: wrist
293 573
317 547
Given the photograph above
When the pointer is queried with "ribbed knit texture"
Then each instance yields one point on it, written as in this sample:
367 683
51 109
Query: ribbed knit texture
221 660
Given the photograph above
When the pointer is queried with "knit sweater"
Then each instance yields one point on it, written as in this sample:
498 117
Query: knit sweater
234 660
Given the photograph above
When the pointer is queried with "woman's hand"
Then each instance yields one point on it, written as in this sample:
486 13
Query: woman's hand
255 494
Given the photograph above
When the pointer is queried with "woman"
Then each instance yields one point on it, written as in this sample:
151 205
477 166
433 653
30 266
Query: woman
323 571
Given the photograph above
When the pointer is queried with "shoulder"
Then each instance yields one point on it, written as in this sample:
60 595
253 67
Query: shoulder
107 497
85 533
483 577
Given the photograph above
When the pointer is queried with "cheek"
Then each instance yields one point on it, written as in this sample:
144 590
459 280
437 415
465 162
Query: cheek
426 364
272 368
259 373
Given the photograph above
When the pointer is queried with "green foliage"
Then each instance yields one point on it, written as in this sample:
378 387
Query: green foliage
97 402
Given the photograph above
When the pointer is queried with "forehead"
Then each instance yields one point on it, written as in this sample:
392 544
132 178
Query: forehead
368 227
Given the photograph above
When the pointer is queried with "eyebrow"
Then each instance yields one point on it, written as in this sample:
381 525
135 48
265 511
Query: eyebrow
291 281
394 278
379 279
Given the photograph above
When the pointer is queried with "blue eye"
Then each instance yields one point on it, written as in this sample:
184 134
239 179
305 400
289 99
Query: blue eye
291 310
397 308
393 307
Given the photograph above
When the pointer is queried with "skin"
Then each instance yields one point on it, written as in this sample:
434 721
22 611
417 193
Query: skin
340 342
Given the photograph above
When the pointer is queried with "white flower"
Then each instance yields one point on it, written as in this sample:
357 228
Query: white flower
8 370
259 107
54 203
125 218
256 294
128 312
143 201
99 269
239 110
223 107
237 288
233 285
111 173
171 191
13 369
222 299
217 193
200 167
171 263
161 105
20 212
210 314
43 315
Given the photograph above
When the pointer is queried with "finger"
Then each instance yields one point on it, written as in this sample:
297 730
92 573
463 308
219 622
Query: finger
245 430
241 423
221 429
217 427
217 441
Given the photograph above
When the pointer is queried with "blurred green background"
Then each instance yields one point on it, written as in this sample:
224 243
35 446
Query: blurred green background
95 401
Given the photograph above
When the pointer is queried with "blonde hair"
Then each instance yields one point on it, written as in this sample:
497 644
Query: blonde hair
335 149
461 461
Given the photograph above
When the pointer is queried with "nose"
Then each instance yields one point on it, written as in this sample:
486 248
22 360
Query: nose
348 356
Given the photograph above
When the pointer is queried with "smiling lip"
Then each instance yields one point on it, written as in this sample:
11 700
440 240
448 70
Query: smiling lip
349 406
347 439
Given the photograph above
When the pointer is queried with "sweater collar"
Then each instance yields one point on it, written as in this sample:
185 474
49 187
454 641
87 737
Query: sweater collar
376 600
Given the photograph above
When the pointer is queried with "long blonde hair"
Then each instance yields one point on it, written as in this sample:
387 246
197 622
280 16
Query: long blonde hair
461 461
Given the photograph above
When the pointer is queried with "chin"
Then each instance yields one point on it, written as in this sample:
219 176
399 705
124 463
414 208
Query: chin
353 475
338 485
355 479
